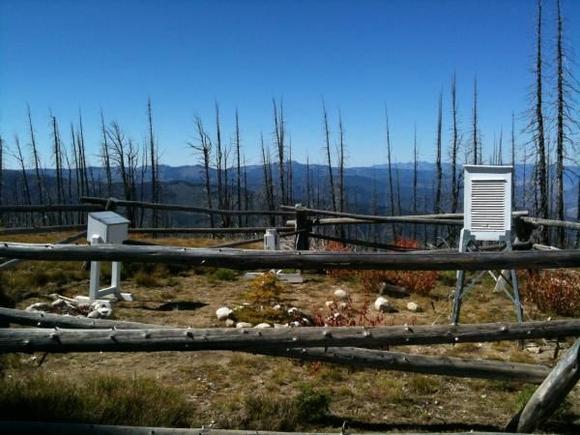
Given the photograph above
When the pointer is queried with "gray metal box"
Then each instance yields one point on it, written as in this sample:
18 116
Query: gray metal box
110 227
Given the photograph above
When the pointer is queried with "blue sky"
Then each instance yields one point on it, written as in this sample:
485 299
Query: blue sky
65 55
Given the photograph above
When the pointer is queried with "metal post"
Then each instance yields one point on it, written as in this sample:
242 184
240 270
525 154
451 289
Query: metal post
95 277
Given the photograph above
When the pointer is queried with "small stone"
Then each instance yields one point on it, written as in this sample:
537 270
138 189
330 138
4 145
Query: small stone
230 323
342 305
329 304
263 326
413 307
340 294
293 310
104 312
243 325
277 307
93 314
280 325
382 304
295 324
305 321
223 313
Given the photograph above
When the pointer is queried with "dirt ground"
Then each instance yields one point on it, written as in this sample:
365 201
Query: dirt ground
217 383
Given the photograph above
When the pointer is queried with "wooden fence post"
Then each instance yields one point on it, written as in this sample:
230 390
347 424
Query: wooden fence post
303 226
550 394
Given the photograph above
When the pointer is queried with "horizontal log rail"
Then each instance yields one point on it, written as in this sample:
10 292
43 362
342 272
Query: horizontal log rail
552 223
187 339
49 208
229 230
365 358
444 218
258 259
363 243
39 230
181 207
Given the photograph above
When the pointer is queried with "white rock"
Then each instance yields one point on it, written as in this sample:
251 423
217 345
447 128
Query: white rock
342 305
280 325
329 304
277 307
101 304
382 304
93 315
295 324
230 323
415 308
293 310
263 326
104 312
223 313
306 322
340 294
243 325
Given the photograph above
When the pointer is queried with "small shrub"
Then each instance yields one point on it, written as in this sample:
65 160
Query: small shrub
554 291
267 413
146 279
348 315
224 275
340 274
416 281
265 289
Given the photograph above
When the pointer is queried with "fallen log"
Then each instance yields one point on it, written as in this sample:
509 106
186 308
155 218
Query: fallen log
552 223
187 339
233 230
551 393
257 259
39 230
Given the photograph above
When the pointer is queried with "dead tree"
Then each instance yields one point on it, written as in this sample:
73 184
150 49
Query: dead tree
538 132
289 174
513 153
439 169
35 158
475 149
564 88
1 169
86 187
279 137
238 167
57 155
341 161
219 158
204 147
153 155
454 147
326 130
390 170
105 158
20 158
268 182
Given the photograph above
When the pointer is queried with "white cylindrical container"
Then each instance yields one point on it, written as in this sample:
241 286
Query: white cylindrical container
271 240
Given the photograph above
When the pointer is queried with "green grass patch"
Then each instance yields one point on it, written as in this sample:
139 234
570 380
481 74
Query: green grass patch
98 399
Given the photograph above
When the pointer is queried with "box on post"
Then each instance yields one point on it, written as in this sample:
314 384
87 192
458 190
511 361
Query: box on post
107 227
110 227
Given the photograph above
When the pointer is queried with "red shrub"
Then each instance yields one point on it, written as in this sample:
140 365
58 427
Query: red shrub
553 291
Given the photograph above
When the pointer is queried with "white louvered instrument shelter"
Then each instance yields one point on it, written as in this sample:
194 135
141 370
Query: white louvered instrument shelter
487 201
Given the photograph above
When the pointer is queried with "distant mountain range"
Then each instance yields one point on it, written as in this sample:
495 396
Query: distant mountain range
365 186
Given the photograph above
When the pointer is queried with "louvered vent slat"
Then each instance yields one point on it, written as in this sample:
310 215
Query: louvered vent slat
488 199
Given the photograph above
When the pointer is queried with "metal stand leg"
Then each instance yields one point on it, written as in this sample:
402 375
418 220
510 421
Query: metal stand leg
463 242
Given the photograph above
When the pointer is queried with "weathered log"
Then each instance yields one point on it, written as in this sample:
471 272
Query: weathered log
380 220
248 241
258 259
233 230
350 356
11 263
37 230
58 428
180 339
181 207
419 219
49 208
552 223
49 320
551 393
362 243
405 362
